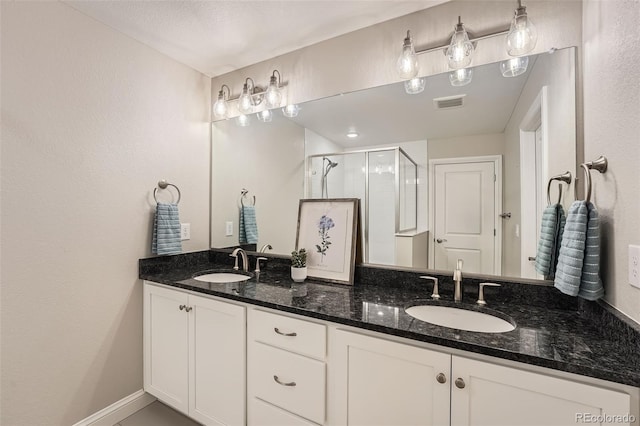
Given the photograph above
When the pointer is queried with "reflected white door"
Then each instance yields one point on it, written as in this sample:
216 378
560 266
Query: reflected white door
464 216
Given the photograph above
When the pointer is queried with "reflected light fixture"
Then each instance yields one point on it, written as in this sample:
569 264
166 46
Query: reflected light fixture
291 110
460 50
407 64
243 120
220 108
522 35
461 77
246 102
514 67
265 116
414 86
273 95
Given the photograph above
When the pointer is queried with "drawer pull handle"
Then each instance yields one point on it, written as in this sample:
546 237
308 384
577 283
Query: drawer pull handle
283 384
182 307
284 334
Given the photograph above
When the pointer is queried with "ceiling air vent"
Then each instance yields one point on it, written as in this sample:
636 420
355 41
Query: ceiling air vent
449 102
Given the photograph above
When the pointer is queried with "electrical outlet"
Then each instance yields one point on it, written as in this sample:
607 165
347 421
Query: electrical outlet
229 229
634 265
185 231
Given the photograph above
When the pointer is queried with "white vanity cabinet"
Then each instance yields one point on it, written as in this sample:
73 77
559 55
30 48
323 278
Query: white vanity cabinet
194 354
286 380
375 381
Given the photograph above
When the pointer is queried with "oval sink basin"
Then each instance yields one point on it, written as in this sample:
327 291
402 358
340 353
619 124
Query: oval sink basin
222 277
461 319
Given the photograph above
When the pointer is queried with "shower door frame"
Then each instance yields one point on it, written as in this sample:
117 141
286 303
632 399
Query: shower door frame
365 226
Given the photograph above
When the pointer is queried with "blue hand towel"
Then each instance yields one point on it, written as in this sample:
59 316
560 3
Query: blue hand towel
166 230
579 259
248 225
551 231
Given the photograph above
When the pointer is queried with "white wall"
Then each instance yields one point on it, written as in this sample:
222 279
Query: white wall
242 157
91 120
611 127
555 71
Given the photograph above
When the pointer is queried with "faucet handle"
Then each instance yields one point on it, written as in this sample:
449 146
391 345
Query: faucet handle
235 267
258 259
459 264
435 294
481 300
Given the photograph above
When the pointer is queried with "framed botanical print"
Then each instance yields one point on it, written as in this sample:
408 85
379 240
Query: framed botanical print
327 229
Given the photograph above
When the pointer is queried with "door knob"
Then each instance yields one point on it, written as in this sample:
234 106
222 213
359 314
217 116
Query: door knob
441 240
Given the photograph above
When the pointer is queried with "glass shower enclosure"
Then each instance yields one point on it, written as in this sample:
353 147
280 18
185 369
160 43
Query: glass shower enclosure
385 181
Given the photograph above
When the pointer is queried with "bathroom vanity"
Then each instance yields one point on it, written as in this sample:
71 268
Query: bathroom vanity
267 351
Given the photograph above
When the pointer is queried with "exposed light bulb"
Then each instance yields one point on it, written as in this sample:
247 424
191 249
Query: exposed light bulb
414 86
291 110
514 67
220 107
407 64
460 50
461 77
243 120
265 116
245 102
522 35
273 96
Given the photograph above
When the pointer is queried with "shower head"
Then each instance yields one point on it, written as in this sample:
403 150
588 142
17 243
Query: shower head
331 163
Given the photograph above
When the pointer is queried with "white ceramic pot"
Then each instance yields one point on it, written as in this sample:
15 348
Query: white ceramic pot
298 274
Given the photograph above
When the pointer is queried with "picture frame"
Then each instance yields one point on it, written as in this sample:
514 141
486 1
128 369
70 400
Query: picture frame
328 230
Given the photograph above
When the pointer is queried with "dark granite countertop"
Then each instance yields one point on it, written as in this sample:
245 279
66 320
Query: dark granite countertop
552 331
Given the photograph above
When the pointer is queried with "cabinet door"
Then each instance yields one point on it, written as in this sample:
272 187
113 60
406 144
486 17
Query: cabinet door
166 346
497 395
380 382
217 362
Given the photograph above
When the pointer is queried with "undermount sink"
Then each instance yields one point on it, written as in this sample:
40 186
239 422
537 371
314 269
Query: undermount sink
461 319
222 277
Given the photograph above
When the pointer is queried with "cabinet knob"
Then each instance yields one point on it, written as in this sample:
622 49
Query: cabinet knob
441 240
188 308
441 378
460 383
282 383
182 307
284 334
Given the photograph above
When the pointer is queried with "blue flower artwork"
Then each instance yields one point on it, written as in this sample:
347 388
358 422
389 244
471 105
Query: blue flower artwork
324 225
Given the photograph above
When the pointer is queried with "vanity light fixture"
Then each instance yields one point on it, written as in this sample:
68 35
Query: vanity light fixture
414 86
243 120
461 77
522 35
407 64
246 101
265 116
514 67
460 50
273 95
291 110
220 108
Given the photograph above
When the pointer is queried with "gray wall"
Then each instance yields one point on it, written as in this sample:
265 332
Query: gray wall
91 120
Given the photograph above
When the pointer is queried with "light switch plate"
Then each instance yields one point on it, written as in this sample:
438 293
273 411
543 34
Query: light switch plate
229 229
634 265
185 231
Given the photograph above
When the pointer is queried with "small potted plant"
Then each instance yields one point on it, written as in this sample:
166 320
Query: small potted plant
299 265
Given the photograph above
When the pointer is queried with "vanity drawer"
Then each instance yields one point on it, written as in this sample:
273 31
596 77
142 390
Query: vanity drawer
303 337
293 382
264 414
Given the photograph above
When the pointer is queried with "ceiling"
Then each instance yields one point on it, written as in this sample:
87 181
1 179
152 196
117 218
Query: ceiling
219 36
387 115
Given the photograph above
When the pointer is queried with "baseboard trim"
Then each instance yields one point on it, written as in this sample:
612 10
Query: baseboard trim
119 410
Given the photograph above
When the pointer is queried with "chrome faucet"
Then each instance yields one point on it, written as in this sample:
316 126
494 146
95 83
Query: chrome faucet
258 259
245 261
457 279
265 248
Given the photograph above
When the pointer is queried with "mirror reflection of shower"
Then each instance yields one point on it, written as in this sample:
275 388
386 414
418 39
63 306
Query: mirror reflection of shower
330 165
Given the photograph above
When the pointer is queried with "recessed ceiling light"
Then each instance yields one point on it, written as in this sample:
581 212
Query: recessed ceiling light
352 135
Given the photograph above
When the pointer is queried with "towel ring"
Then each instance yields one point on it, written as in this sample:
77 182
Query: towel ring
163 185
600 165
564 177
243 195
